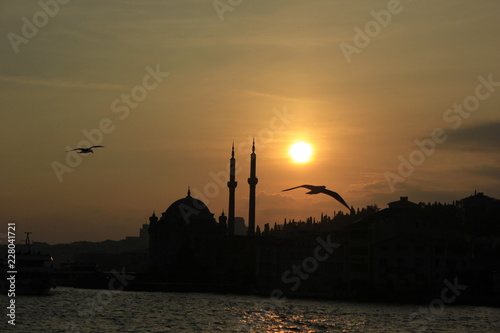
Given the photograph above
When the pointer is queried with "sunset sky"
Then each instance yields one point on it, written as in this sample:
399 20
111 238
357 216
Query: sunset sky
168 86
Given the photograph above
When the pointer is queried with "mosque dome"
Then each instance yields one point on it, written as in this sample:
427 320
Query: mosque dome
187 210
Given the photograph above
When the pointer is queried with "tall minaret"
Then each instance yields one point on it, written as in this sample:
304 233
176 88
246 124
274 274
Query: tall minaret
252 181
232 186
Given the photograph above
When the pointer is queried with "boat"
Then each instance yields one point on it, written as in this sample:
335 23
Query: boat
31 273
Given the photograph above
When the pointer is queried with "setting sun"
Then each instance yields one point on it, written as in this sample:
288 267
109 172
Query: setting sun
301 152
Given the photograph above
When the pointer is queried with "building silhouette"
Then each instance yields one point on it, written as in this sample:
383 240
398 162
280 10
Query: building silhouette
239 226
400 250
403 252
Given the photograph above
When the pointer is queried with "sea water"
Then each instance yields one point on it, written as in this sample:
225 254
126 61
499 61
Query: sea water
82 310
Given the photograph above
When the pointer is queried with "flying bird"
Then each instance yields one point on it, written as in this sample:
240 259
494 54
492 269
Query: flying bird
321 189
85 150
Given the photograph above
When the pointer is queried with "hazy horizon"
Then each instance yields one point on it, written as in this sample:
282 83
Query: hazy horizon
397 98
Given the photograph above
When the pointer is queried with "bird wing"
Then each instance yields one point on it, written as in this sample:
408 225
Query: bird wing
336 196
95 147
80 149
310 187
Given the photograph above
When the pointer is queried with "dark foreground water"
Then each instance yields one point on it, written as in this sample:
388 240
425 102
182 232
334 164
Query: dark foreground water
78 310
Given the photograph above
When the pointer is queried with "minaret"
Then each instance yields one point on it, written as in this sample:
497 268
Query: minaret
223 223
252 181
232 186
153 218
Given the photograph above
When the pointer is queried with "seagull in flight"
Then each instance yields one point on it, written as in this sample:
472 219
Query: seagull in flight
85 150
321 189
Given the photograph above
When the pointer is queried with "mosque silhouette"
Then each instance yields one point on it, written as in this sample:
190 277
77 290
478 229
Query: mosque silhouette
188 245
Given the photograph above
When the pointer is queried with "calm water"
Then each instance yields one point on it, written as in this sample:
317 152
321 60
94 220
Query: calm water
76 310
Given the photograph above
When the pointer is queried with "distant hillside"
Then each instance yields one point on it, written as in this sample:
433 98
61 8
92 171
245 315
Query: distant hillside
70 252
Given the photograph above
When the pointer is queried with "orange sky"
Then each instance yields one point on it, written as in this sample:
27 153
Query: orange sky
168 86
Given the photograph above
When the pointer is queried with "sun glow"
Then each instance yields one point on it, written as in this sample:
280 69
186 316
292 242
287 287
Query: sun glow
301 152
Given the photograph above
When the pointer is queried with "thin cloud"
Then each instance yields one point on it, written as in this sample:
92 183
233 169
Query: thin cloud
282 97
58 83
488 171
482 137
374 186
